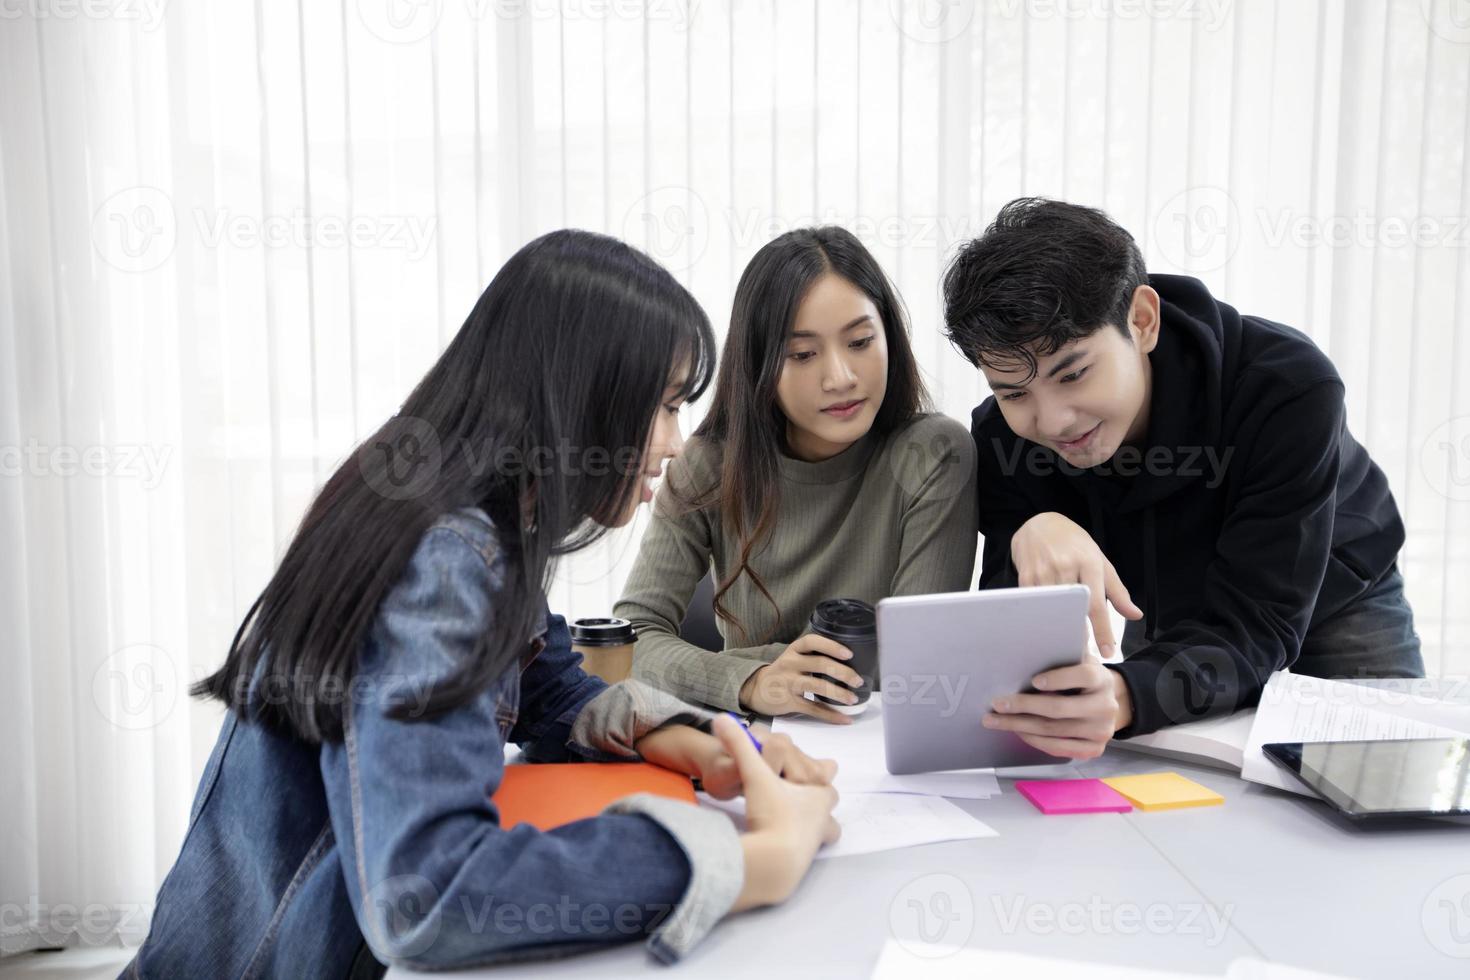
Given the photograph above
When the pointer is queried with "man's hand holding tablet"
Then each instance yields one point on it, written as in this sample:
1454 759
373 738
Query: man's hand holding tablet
1077 724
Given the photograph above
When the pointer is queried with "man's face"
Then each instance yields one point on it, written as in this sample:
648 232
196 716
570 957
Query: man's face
1091 396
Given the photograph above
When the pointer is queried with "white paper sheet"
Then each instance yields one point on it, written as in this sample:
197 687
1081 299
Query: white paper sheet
883 822
858 749
1310 709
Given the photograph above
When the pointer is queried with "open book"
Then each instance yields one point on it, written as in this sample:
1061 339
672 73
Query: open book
1215 742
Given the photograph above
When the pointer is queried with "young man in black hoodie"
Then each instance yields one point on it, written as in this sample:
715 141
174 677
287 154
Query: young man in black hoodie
1191 465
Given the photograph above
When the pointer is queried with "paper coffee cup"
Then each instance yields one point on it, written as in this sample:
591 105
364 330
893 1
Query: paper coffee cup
606 646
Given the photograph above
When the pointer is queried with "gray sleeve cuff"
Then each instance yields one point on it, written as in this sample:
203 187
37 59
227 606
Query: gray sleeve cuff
612 723
716 870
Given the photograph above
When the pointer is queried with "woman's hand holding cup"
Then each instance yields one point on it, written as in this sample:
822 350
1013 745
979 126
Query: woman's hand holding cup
804 667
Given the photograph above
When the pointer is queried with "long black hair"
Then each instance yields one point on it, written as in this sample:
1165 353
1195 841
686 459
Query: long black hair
745 419
538 412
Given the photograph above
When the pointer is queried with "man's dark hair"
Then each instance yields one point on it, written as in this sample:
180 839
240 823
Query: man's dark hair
1044 274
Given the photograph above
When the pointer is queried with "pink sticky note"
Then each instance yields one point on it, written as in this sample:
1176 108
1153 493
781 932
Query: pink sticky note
1073 796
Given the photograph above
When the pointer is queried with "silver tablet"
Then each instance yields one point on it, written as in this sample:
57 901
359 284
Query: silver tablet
944 658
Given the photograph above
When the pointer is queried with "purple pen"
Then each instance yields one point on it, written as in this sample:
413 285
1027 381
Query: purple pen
748 733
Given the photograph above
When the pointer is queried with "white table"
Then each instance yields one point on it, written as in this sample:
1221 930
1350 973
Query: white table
1267 875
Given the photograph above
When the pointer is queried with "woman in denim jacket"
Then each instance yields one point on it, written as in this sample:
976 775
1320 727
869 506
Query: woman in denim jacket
344 818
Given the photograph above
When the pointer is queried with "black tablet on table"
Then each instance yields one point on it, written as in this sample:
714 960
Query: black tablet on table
1414 777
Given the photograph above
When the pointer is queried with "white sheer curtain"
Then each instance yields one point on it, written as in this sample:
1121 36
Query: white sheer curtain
234 234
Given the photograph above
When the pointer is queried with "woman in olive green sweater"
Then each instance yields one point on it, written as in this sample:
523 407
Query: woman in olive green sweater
817 474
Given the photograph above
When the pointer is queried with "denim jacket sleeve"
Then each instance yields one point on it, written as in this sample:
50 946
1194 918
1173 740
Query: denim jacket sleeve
434 881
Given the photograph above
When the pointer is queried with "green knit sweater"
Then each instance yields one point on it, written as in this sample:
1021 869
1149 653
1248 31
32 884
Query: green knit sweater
888 516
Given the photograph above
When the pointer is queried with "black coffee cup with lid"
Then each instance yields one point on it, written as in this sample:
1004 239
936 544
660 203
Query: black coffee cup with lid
853 624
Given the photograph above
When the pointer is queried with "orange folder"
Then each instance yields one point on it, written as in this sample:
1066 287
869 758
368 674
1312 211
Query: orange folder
547 795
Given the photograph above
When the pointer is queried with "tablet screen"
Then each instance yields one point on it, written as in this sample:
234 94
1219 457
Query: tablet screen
1417 776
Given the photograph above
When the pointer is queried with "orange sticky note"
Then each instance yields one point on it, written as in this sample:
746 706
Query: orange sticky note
547 795
1163 791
